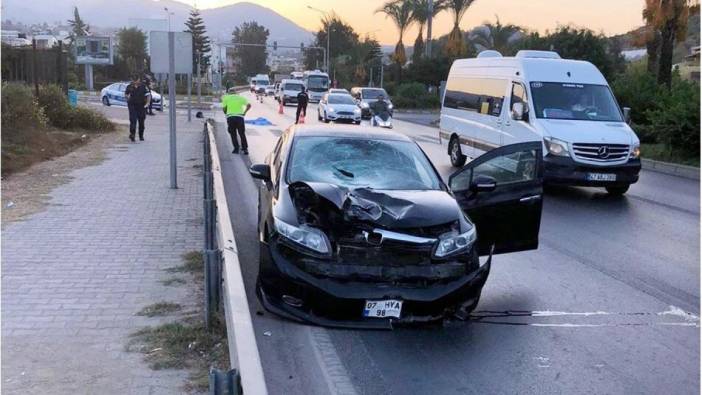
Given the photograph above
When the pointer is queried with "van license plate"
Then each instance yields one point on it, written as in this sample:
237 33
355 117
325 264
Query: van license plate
382 308
601 177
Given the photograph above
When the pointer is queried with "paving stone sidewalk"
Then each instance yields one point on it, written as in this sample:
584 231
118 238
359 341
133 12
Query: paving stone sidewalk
75 274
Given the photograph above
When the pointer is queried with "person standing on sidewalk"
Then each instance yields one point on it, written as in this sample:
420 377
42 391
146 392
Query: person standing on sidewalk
302 100
235 107
138 99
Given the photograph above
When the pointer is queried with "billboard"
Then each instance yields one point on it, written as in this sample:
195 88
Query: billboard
93 50
158 43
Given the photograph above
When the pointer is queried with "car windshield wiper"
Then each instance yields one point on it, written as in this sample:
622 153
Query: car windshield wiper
344 172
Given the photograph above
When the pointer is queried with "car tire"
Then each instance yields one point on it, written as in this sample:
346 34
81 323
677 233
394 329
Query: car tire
357 122
617 191
106 101
319 116
457 157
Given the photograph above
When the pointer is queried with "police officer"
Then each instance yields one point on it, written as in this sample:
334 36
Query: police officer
138 99
235 107
302 100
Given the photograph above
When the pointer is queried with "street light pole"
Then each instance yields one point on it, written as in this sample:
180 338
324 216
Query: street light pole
326 60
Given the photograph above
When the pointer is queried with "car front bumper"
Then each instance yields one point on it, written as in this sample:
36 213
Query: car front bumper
334 296
565 171
344 118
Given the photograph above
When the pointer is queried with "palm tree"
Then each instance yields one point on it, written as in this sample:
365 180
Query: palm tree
400 11
499 37
455 47
420 15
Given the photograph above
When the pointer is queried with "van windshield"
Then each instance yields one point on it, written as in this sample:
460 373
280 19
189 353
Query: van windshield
584 102
293 87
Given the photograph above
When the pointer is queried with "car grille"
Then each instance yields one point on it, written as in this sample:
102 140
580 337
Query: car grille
601 152
344 113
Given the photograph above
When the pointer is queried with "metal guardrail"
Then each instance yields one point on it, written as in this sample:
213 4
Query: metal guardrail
224 282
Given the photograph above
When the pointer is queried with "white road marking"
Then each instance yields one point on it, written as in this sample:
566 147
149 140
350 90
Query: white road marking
335 374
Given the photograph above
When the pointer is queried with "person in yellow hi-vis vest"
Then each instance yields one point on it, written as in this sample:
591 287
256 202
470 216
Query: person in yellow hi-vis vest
235 107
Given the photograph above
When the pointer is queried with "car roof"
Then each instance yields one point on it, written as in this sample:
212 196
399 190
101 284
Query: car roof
350 131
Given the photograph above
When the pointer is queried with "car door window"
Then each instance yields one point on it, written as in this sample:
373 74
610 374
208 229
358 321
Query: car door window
514 166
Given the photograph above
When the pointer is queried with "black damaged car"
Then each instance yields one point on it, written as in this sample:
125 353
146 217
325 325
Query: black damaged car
357 229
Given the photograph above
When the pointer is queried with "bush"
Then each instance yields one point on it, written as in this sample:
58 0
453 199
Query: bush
414 95
676 117
60 114
20 109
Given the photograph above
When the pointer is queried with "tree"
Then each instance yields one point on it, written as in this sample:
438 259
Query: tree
343 40
455 47
400 11
670 18
250 60
201 43
370 57
651 35
420 15
497 37
132 49
78 27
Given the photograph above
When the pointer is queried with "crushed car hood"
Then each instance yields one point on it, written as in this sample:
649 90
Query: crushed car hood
329 206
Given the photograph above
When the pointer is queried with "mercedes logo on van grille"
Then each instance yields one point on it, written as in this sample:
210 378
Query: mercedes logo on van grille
603 152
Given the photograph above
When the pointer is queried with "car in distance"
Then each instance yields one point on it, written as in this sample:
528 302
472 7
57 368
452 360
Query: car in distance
270 90
357 229
288 91
113 94
565 104
365 96
340 91
338 108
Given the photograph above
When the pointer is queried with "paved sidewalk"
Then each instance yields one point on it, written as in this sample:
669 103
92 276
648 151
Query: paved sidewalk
75 274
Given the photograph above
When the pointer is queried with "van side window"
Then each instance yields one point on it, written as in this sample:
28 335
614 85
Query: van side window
518 93
484 96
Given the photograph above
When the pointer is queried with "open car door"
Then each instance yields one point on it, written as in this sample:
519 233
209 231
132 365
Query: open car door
502 193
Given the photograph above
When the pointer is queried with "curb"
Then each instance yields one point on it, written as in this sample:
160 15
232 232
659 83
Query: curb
672 169
243 350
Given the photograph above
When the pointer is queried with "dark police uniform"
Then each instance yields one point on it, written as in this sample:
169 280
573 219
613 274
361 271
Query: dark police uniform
302 99
136 102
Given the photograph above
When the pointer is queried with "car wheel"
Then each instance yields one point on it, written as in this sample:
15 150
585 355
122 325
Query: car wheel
319 116
457 157
105 101
357 122
617 191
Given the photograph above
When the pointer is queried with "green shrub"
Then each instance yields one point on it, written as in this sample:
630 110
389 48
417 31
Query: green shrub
90 120
414 95
637 89
676 117
55 104
410 90
20 109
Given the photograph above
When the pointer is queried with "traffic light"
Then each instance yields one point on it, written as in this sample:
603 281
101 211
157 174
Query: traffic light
275 45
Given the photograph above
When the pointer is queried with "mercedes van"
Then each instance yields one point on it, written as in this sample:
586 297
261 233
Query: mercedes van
567 105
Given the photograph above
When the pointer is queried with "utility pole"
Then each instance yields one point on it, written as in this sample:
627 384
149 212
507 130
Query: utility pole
326 57
429 18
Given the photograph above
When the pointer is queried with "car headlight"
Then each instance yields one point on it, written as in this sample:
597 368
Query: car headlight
556 147
303 235
450 243
389 106
635 152
357 110
364 104
330 109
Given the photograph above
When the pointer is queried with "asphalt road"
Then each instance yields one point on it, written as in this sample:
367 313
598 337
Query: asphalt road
609 303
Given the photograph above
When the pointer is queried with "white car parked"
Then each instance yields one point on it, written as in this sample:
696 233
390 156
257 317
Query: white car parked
112 95
339 108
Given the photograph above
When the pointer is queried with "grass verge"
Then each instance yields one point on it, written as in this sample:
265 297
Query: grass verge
184 343
664 154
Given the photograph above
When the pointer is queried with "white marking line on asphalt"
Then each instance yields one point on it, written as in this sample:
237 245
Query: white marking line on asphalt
335 374
243 350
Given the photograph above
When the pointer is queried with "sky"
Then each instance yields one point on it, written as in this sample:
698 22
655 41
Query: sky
608 16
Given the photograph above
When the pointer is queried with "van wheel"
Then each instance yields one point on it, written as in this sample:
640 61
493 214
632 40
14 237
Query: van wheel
457 157
617 191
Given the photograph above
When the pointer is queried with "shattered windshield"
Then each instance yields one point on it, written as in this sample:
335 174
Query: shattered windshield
355 163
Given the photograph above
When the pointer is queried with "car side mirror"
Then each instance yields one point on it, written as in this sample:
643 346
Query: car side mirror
519 112
627 114
260 171
483 183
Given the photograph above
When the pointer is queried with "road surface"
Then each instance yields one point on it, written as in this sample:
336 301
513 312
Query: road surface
607 304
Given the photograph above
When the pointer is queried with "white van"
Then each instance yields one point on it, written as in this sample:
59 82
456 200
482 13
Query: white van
287 93
491 101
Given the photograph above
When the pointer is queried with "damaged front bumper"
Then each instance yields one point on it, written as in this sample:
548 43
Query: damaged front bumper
334 295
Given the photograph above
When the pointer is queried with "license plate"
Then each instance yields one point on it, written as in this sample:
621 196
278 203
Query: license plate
382 308
601 177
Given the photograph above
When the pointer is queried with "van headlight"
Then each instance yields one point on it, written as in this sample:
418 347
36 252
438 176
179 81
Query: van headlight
556 147
389 106
635 152
305 236
451 243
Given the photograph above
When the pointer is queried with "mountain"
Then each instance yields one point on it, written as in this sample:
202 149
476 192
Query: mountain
115 14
